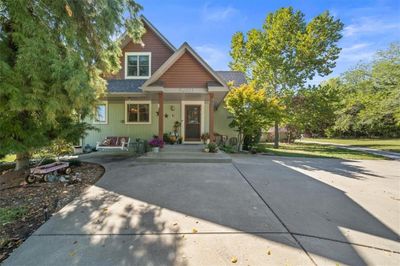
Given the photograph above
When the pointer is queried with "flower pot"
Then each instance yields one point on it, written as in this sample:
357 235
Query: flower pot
156 149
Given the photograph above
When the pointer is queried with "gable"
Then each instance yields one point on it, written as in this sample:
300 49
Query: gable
160 51
186 72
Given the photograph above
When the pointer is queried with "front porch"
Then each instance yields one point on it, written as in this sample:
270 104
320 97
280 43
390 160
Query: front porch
185 154
194 112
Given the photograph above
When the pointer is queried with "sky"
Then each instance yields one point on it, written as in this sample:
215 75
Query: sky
208 26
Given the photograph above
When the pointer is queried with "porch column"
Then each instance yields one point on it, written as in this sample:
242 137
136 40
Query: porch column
161 115
211 116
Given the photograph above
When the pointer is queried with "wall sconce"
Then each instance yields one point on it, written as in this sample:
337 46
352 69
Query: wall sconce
172 108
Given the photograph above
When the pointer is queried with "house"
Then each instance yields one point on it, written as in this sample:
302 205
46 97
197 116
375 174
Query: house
158 85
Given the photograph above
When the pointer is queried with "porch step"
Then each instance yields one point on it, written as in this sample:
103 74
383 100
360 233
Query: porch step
185 154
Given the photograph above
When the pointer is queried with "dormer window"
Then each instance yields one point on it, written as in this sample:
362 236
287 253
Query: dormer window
137 65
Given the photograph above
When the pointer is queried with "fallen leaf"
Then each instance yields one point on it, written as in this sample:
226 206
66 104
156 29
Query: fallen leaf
234 259
175 224
72 253
194 230
68 9
269 252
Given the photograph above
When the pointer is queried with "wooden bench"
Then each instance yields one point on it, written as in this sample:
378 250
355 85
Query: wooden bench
110 143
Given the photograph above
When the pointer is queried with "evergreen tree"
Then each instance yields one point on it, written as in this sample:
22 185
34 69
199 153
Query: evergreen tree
52 58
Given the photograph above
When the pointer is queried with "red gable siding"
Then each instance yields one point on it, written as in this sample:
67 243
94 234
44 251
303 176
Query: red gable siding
160 52
186 72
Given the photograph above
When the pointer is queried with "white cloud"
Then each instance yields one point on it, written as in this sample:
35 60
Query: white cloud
215 57
370 25
218 14
356 52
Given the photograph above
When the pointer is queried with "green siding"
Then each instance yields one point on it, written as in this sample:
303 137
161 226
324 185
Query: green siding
116 122
116 125
221 123
172 116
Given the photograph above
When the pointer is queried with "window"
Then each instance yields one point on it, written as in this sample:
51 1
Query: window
137 112
137 65
101 113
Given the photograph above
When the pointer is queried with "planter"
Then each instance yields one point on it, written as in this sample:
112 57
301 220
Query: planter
156 149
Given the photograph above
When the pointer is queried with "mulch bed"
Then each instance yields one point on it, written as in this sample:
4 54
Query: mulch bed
34 198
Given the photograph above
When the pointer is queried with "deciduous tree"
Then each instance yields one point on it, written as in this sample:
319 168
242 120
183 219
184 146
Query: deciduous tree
250 110
287 52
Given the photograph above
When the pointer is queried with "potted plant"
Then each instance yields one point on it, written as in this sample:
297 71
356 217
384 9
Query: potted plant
156 144
172 139
204 137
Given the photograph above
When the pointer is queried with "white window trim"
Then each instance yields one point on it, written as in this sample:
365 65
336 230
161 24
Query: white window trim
137 102
101 122
202 119
126 65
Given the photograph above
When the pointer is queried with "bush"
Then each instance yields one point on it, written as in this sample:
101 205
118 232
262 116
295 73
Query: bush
146 146
228 149
47 161
212 147
166 137
250 140
74 162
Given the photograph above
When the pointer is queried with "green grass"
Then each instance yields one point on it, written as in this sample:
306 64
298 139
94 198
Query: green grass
10 214
315 150
8 159
379 144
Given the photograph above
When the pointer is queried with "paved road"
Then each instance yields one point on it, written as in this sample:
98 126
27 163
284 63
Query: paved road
260 210
387 154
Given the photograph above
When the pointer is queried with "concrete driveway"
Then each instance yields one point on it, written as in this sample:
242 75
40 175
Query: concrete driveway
260 210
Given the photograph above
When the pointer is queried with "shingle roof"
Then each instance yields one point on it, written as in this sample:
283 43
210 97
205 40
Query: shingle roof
237 77
125 85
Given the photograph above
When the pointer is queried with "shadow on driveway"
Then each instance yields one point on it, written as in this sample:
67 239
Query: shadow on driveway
143 214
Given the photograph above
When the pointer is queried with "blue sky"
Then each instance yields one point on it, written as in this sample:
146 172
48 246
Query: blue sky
209 25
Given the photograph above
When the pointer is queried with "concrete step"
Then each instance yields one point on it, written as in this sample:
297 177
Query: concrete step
185 157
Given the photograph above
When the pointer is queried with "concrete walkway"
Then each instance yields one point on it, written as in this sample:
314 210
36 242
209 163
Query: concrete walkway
259 209
387 154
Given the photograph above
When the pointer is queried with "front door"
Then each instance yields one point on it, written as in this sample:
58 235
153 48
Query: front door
192 122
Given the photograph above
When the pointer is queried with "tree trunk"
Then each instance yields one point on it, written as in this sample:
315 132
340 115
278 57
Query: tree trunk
239 147
276 139
22 161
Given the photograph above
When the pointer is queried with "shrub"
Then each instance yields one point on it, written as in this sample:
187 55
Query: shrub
212 147
228 149
47 161
166 137
74 162
146 146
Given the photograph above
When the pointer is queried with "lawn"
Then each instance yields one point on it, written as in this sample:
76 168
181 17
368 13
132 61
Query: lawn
315 150
8 215
379 144
8 159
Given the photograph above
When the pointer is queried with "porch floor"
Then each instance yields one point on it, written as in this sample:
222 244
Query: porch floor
185 153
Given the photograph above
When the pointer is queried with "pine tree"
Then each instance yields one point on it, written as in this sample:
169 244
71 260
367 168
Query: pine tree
52 58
